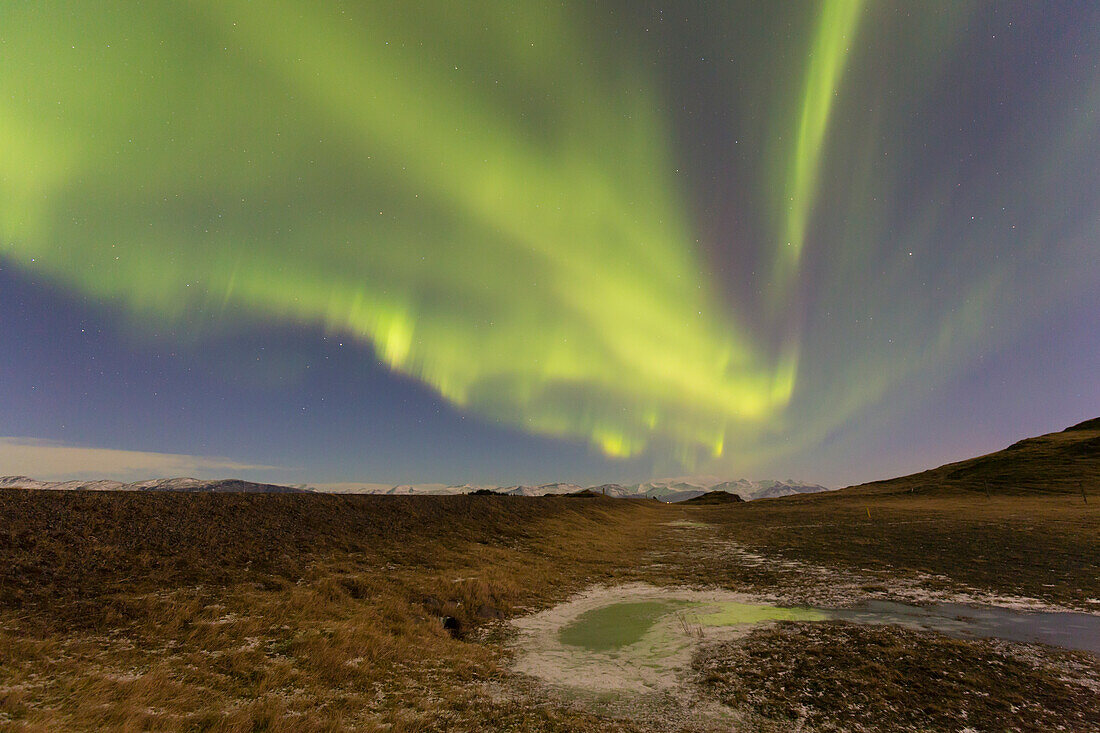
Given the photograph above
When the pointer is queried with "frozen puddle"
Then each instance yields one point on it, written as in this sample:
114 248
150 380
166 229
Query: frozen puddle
639 638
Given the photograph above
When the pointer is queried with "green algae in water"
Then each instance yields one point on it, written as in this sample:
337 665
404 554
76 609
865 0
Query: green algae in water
619 625
615 626
732 614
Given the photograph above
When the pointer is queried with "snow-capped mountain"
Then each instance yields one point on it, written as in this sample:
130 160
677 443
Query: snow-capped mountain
669 490
160 484
544 490
666 490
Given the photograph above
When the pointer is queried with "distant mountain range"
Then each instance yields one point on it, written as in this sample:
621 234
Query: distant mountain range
667 490
1063 462
230 485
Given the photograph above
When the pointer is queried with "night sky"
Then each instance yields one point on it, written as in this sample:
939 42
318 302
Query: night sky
507 241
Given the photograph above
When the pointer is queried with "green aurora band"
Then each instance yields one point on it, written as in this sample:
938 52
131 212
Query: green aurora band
836 28
517 246
489 194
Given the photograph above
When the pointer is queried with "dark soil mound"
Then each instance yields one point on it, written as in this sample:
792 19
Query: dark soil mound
716 497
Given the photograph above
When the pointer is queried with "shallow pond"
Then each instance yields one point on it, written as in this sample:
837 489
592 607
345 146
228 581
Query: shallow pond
616 625
639 638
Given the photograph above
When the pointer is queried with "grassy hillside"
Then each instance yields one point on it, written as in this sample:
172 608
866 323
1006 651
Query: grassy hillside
1057 463
73 553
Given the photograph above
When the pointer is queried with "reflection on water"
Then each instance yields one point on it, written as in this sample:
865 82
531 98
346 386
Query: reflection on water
734 614
1069 630
620 625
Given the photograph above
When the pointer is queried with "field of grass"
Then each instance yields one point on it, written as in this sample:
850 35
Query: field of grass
283 612
1021 521
1045 547
302 612
324 613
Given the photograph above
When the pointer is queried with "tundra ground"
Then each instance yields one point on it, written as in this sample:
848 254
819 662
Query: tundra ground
340 613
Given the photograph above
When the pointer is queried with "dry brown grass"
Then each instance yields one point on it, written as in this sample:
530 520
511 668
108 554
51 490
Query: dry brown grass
1045 547
257 612
296 613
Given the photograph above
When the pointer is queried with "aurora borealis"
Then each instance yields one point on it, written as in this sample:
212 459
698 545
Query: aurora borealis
617 238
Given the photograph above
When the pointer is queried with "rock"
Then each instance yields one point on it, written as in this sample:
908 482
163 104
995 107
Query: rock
452 626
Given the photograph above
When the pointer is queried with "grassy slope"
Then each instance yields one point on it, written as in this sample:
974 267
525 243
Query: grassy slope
273 612
1067 462
84 548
